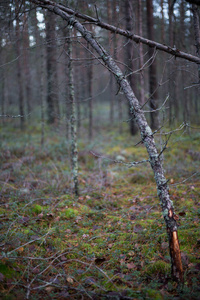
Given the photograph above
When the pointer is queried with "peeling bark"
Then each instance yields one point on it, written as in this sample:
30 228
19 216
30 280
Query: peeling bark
146 134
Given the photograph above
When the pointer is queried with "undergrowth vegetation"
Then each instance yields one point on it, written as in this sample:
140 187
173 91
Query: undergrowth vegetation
111 241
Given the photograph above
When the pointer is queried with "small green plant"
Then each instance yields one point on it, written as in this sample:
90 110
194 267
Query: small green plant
71 213
37 209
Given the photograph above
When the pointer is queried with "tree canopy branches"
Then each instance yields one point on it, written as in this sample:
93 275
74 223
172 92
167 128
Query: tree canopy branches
136 38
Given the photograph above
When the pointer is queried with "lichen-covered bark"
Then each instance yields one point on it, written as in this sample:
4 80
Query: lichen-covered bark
146 134
74 149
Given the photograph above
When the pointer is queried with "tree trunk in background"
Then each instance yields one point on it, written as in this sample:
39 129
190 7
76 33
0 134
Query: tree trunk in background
38 40
52 80
186 112
129 55
141 63
162 22
78 89
111 13
152 69
65 33
196 32
196 25
27 74
42 95
2 93
74 150
171 44
19 68
90 95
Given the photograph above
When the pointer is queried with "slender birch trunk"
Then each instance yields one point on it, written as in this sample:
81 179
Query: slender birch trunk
74 149
146 135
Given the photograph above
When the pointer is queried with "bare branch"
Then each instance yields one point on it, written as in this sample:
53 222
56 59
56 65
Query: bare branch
136 38
128 164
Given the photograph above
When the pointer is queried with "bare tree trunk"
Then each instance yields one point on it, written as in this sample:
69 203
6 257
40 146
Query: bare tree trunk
186 110
52 93
78 86
27 74
90 94
162 23
111 13
146 135
74 150
197 44
3 96
42 96
152 69
171 44
66 76
36 92
141 63
196 32
19 69
129 55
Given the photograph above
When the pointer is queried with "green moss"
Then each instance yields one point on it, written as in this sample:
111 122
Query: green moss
158 267
2 211
6 270
37 209
71 213
153 294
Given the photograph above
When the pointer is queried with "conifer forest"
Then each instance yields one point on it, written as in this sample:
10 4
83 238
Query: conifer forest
100 149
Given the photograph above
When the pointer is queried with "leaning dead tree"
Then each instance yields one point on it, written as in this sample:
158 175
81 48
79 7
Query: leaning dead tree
145 131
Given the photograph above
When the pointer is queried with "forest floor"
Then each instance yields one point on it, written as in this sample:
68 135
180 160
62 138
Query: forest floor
111 241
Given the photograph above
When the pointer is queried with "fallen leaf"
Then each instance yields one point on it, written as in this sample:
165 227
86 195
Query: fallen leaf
49 289
70 280
130 265
21 249
63 258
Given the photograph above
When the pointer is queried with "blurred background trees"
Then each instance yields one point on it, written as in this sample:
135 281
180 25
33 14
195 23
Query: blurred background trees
26 33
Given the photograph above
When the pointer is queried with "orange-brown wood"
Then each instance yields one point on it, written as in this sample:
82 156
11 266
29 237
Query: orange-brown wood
177 268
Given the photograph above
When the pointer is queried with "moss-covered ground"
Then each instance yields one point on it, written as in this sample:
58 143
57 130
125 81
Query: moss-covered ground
111 241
